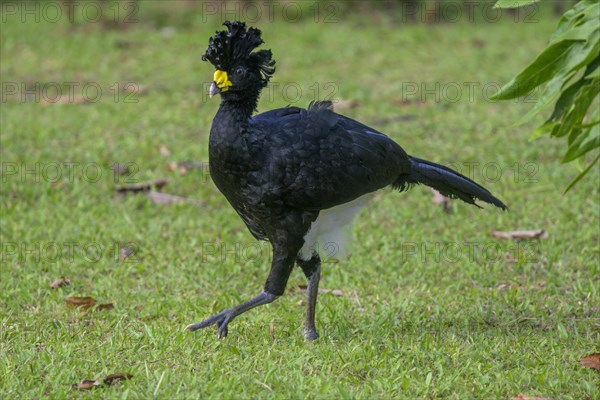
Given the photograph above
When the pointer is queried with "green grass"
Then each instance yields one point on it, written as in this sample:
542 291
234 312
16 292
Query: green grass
432 305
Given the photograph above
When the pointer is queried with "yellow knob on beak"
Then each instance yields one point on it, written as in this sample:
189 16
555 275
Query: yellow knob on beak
221 83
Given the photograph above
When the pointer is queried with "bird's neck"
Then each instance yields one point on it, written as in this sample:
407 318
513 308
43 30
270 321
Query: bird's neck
239 108
231 121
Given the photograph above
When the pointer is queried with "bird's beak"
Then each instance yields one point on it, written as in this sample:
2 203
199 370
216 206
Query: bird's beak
221 83
213 90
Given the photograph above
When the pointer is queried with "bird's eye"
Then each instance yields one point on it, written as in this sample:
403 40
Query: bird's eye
240 71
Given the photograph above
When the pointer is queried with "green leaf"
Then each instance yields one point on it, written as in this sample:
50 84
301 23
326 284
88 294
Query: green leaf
574 45
513 3
565 101
545 129
582 174
549 94
545 66
588 140
579 108
581 12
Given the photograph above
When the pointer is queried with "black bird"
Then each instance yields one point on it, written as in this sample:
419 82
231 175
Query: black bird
297 176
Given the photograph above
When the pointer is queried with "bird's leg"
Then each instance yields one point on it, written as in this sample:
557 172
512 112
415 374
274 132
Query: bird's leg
312 270
281 267
223 318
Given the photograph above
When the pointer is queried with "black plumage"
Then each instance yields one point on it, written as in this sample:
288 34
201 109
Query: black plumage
282 169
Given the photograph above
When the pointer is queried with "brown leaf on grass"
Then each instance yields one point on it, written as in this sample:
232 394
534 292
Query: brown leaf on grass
272 331
335 292
164 150
106 306
442 200
591 361
58 185
108 380
193 165
405 102
85 384
114 378
66 99
83 302
135 88
346 104
533 234
527 397
142 186
184 166
504 286
139 307
125 44
172 166
479 42
125 253
60 282
165 198
120 169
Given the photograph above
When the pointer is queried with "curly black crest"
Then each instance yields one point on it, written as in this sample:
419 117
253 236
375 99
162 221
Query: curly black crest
235 46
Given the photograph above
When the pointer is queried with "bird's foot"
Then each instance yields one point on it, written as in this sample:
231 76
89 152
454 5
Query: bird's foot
221 319
311 334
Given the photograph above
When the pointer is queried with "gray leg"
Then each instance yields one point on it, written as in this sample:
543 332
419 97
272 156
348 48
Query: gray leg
310 330
284 252
312 270
223 318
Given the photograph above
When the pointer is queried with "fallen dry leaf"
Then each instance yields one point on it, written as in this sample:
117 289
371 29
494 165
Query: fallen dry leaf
534 234
164 150
526 397
172 166
184 166
57 185
346 104
405 102
503 286
479 42
85 384
143 186
114 378
442 200
120 169
125 253
134 88
591 361
272 331
83 302
60 282
335 292
139 307
61 99
165 198
106 306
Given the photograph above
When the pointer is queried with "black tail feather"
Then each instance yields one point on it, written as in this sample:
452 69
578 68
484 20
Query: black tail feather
446 181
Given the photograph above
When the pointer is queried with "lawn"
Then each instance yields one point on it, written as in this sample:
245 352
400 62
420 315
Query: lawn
429 304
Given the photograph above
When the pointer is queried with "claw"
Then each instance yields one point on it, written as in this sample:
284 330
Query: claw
223 318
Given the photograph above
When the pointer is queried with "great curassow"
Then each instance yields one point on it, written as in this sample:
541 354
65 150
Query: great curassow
297 176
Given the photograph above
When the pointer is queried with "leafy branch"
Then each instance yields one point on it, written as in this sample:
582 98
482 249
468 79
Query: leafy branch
567 73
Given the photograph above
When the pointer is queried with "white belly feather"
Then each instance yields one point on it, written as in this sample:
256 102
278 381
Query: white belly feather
330 233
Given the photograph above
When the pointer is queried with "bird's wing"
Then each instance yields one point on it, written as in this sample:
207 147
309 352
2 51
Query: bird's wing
316 159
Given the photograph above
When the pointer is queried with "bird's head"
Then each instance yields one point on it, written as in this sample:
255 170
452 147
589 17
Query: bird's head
241 72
